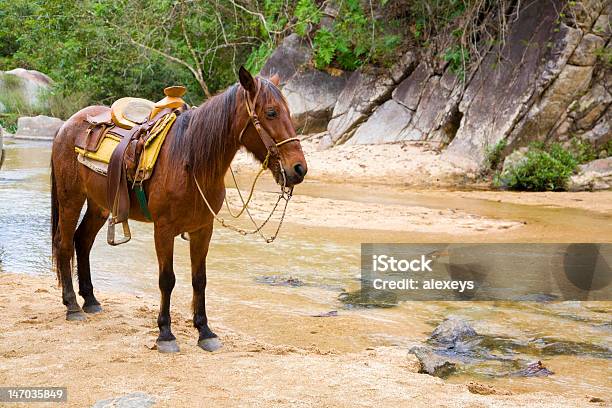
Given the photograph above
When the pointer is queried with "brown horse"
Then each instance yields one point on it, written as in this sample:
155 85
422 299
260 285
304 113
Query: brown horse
200 146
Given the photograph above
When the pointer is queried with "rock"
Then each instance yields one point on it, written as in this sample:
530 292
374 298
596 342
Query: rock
452 331
325 142
133 400
311 96
38 127
485 389
511 79
276 280
408 92
432 363
535 369
331 313
585 12
364 91
30 84
384 125
595 175
369 298
601 133
602 27
586 52
591 106
404 65
431 112
543 115
288 58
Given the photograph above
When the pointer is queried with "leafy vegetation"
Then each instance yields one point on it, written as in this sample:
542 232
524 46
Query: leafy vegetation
95 56
582 150
541 169
494 154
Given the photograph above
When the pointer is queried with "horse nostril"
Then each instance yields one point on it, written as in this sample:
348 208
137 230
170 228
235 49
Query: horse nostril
299 170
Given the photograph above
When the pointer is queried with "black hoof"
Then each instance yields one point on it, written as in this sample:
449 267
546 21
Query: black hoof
92 308
168 346
210 344
75 315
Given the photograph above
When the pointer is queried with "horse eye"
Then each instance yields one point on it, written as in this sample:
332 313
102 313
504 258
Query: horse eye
271 113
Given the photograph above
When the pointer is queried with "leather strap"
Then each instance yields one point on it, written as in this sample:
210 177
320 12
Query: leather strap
118 197
270 144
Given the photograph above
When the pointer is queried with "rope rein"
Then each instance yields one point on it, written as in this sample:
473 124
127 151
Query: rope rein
272 151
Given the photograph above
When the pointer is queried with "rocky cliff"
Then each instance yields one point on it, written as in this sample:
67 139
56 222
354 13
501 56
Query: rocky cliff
547 79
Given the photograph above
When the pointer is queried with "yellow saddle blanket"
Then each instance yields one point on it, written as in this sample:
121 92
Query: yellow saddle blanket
98 160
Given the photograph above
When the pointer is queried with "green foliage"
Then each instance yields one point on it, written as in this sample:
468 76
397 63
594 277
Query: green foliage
494 154
307 13
608 148
9 121
541 169
257 58
604 55
433 17
458 57
99 50
11 96
90 47
356 37
583 151
324 47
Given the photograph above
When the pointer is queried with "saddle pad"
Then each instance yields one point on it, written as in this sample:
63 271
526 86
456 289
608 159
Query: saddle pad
98 161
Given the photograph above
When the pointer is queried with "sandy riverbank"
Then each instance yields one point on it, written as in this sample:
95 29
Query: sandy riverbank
400 164
109 355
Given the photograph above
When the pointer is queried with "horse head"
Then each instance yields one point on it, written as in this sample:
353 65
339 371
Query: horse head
267 131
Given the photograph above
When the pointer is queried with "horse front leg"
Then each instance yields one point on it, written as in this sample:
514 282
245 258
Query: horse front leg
198 247
164 246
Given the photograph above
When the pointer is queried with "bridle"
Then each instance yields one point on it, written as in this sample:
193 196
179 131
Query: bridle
272 152
271 145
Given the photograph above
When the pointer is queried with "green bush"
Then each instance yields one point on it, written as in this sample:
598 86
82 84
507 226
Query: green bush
458 58
583 151
259 56
494 154
608 148
307 13
62 104
9 121
541 169
355 37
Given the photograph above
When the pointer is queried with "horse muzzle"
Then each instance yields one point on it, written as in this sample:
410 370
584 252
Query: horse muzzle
293 174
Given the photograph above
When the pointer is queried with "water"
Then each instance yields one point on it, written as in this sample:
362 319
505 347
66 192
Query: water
326 260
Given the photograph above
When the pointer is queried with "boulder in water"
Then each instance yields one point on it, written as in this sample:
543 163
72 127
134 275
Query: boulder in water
37 127
452 331
431 363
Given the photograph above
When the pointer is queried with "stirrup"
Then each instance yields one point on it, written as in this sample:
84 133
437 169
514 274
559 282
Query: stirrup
110 236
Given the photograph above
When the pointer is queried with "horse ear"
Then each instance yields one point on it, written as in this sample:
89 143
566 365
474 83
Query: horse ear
275 79
246 79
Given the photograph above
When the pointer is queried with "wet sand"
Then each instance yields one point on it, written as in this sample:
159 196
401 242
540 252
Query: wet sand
110 355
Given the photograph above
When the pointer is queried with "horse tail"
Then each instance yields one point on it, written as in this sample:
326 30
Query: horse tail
54 224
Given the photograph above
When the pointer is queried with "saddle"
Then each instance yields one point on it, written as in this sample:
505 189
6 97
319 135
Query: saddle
129 123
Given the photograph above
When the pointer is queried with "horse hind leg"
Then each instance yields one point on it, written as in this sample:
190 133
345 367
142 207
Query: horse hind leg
66 203
64 252
84 238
